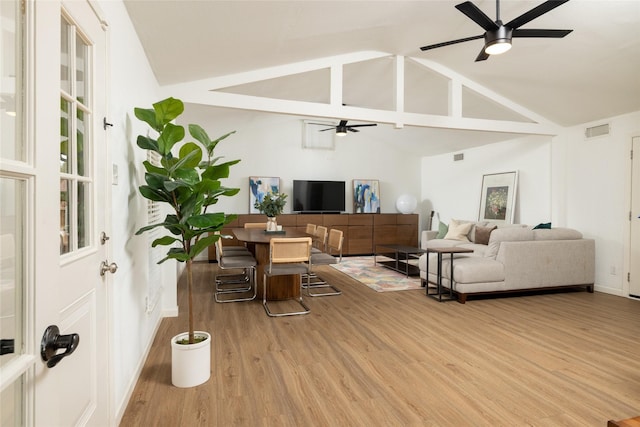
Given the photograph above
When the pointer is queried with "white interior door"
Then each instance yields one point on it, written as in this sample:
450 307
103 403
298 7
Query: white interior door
634 261
72 198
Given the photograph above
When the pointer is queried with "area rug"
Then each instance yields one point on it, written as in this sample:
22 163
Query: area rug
378 278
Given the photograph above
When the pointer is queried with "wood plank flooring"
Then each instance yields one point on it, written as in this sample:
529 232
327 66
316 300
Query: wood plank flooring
401 359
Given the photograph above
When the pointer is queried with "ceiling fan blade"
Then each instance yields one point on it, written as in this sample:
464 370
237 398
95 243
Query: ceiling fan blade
482 56
534 13
343 123
557 34
352 130
320 124
478 16
433 46
359 126
324 130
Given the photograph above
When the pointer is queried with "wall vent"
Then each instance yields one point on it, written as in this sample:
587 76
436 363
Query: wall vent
596 131
458 157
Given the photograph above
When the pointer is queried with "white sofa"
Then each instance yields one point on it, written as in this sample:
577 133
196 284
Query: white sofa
516 258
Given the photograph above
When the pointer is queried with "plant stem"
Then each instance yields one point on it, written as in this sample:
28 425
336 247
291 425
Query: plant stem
189 292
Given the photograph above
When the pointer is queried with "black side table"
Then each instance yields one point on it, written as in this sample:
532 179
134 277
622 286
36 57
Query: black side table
452 250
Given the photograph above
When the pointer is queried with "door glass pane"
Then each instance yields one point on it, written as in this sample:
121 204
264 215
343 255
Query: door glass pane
81 69
65 108
65 69
65 215
80 136
84 200
12 214
11 143
11 405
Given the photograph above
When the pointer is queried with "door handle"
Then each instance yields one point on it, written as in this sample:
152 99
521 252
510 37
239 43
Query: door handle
52 341
105 266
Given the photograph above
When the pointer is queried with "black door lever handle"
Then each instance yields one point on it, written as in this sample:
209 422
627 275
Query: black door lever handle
52 341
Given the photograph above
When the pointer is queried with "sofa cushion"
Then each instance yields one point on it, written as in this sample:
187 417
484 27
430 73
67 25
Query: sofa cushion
508 234
442 230
542 225
556 234
458 230
468 269
482 234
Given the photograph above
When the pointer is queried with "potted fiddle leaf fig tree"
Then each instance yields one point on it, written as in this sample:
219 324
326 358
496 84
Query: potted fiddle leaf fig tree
189 181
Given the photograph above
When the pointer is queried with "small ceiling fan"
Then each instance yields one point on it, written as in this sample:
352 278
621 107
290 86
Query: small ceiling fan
342 128
497 36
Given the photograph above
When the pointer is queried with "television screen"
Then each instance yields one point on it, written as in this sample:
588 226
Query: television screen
318 196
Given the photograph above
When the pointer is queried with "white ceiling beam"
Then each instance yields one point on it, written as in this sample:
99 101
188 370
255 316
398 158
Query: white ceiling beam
214 83
335 89
318 110
399 87
501 100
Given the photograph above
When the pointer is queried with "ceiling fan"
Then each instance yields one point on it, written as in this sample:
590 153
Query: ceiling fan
342 127
497 36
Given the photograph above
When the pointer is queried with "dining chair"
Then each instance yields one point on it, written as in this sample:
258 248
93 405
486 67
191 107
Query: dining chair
311 229
230 284
333 255
287 256
319 239
261 225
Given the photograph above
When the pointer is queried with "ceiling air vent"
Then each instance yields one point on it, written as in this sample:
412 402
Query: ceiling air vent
596 131
458 157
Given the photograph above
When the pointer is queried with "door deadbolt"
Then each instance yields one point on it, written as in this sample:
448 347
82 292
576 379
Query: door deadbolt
103 237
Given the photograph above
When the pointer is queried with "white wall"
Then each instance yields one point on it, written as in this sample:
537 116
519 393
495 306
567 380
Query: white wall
592 184
132 84
568 180
453 188
271 145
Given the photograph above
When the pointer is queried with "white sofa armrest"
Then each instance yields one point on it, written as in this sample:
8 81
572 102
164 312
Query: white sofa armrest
427 235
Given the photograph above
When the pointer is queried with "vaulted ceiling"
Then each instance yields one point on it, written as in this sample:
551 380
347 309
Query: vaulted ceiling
591 74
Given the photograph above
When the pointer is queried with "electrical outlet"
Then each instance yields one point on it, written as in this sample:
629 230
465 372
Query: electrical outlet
613 271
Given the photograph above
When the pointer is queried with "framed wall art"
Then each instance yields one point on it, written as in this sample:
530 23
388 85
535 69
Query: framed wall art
258 187
498 197
366 196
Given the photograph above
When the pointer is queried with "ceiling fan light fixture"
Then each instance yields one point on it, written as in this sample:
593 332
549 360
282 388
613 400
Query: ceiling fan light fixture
341 130
498 41
497 47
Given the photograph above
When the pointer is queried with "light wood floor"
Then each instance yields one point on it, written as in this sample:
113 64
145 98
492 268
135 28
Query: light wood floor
401 359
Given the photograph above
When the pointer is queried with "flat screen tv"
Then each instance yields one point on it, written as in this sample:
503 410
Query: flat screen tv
318 196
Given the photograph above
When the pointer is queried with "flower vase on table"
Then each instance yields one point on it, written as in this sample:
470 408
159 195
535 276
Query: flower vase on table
272 225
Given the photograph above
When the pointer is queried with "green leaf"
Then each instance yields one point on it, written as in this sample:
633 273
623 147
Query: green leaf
183 161
153 194
188 175
200 135
147 143
148 116
193 152
167 110
170 135
202 244
154 169
164 241
173 185
147 228
155 181
214 143
206 220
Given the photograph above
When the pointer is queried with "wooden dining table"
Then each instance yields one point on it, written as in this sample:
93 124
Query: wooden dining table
257 240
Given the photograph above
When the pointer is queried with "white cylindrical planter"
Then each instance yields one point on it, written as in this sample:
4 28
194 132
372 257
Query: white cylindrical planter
190 363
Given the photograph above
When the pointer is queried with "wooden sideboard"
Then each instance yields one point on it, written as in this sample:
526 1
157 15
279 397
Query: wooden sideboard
361 231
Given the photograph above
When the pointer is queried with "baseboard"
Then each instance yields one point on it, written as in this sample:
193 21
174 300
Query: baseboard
611 291
170 312
122 407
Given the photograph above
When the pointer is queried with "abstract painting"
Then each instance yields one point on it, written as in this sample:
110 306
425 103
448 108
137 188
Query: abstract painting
366 196
259 187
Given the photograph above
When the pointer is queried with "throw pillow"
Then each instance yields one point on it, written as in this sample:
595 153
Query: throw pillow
442 230
458 230
483 234
542 225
